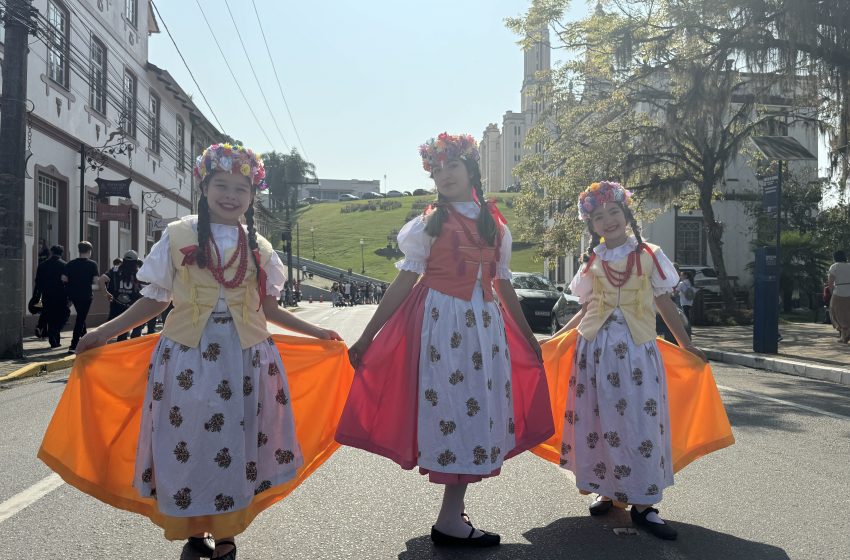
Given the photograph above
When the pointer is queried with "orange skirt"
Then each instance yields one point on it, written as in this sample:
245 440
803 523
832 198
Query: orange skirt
91 440
698 421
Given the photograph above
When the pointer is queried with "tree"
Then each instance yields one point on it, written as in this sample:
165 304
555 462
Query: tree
660 83
285 173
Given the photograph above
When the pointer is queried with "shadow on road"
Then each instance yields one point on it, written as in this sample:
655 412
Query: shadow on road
587 537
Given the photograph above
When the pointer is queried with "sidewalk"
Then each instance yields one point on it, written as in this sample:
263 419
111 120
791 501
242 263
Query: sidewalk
807 349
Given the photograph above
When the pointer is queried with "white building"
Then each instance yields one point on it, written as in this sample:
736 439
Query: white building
90 85
501 151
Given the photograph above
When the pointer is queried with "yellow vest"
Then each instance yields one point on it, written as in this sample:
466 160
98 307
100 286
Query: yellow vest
635 299
195 294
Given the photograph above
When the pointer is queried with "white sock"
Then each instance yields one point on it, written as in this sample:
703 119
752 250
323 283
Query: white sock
652 517
449 520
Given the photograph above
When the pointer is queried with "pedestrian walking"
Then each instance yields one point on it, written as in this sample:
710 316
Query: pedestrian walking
122 289
687 293
616 417
217 441
79 276
43 250
452 383
839 287
54 300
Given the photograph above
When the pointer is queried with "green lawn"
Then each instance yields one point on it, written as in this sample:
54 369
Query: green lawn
337 236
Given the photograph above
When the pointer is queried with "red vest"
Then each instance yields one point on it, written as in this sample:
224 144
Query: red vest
452 266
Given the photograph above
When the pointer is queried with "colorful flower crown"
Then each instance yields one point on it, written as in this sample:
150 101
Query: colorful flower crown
232 159
598 194
446 147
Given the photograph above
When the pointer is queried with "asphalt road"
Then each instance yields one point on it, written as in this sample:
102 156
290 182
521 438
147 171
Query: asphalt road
783 491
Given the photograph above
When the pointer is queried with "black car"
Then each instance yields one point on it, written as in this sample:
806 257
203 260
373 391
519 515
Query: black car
422 192
371 195
537 296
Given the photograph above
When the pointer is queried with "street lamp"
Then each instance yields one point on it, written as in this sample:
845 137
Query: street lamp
362 262
313 240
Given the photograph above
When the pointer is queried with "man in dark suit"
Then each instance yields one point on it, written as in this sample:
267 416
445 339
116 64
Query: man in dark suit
78 278
54 301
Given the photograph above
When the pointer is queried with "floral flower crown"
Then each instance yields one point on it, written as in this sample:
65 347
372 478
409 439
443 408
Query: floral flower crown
437 152
598 194
232 159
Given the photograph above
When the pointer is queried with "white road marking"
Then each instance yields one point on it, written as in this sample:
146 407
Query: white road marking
786 403
26 498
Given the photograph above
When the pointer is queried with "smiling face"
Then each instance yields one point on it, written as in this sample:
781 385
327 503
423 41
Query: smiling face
609 221
453 181
229 196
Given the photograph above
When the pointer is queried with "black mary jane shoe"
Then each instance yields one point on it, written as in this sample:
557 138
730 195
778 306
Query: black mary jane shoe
600 506
660 530
203 546
230 555
487 539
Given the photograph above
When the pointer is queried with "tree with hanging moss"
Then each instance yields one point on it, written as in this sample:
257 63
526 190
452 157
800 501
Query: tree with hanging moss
661 100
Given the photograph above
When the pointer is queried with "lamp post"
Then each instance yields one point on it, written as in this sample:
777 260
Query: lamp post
362 262
313 240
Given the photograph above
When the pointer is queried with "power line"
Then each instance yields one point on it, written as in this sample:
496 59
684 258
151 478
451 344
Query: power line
280 88
251 65
173 42
232 75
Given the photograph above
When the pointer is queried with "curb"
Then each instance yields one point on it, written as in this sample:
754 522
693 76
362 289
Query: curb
780 365
39 368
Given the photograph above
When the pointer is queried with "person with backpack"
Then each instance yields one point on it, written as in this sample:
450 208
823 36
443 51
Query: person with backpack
122 289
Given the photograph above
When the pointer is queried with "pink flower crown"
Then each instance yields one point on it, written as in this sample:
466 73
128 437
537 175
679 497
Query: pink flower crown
437 152
232 159
598 194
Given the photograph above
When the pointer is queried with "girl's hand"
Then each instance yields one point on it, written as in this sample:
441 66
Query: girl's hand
327 334
92 339
355 352
697 352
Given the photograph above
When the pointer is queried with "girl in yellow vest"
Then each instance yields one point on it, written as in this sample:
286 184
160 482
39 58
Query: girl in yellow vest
217 434
616 416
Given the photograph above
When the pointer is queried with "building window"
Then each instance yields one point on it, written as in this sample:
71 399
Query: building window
690 241
153 129
131 91
181 141
97 98
57 45
131 12
48 192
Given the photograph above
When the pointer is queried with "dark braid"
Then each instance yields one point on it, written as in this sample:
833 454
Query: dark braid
203 228
252 239
630 218
438 216
594 241
486 223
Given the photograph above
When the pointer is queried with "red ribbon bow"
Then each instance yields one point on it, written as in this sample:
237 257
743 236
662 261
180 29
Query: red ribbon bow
189 255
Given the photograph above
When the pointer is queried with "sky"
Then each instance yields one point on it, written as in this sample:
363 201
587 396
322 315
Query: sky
366 82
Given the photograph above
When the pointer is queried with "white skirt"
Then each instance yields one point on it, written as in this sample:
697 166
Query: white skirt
465 418
616 429
217 427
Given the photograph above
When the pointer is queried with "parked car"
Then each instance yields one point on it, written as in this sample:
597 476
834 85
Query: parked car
394 194
347 197
421 192
371 195
407 193
537 296
311 200
705 277
564 309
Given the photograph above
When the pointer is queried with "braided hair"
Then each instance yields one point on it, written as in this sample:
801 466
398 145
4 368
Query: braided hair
486 224
204 228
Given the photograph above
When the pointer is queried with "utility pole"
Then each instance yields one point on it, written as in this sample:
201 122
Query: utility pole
13 102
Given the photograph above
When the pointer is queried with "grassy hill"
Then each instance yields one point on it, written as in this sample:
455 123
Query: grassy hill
337 235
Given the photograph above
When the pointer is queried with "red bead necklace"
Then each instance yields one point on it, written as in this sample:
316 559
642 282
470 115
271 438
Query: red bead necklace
216 268
618 278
